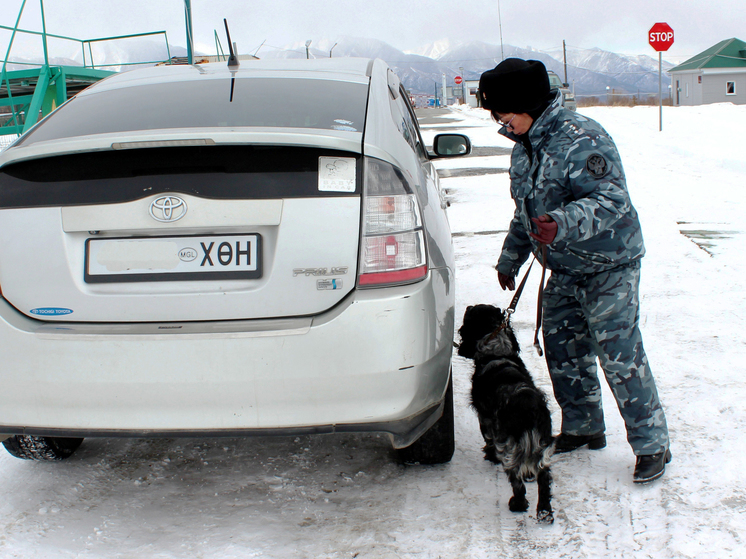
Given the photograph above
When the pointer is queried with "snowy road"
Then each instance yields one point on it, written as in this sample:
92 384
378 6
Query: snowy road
342 496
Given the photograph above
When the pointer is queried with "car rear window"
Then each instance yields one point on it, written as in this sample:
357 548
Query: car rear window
554 81
264 102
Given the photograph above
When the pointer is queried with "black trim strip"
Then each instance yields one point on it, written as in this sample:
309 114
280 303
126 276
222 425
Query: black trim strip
244 172
405 431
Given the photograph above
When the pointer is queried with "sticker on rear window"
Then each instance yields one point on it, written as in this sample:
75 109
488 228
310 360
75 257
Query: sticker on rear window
336 174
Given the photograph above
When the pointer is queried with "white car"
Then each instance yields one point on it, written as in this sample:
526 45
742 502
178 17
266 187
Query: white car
209 250
568 97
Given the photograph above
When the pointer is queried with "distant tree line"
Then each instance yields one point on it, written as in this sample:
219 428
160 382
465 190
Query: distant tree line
620 100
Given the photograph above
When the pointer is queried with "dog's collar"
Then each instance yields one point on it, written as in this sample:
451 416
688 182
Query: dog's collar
496 332
502 326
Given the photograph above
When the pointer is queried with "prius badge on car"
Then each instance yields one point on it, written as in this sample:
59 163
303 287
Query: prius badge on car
168 208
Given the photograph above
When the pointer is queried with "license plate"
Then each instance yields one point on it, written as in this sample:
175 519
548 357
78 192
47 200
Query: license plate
209 257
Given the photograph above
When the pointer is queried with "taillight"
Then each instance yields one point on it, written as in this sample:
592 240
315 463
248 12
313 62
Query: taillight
393 250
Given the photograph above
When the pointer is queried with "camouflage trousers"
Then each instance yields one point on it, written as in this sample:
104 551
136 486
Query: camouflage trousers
596 316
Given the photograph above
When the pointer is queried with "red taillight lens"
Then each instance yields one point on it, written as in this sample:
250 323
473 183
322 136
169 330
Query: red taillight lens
393 248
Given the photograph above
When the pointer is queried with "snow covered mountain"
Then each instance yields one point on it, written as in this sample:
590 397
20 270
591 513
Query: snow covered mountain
590 71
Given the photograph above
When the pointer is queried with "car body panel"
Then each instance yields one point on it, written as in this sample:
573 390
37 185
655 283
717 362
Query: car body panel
48 270
232 376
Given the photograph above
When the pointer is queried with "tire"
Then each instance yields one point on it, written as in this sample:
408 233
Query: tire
30 447
437 445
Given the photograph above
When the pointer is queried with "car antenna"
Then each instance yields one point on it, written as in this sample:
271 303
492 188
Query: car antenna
232 59
233 63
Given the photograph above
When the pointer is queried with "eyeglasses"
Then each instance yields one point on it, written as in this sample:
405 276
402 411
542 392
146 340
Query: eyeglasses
506 124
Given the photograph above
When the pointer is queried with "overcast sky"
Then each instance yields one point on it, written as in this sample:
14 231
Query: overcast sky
617 25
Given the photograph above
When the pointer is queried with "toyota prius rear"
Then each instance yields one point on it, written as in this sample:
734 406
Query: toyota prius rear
215 251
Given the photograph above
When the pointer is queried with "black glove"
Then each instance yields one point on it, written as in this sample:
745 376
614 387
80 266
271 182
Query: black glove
506 282
547 229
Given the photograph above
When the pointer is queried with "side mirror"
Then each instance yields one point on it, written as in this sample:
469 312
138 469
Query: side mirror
451 145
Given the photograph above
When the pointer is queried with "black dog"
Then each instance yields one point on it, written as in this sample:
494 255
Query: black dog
513 413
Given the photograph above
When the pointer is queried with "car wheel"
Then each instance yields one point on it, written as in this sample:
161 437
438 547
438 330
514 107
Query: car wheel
436 446
30 447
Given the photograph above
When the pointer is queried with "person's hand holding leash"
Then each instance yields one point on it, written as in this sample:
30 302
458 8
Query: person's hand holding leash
506 282
547 229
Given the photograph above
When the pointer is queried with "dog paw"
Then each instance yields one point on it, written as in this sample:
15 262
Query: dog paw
545 516
518 504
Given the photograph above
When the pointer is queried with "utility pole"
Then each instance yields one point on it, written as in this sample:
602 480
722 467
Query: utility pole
500 22
564 55
308 43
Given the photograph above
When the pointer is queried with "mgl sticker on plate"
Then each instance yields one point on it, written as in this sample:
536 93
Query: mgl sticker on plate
210 257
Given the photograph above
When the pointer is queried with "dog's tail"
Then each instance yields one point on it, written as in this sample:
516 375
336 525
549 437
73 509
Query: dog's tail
527 421
527 455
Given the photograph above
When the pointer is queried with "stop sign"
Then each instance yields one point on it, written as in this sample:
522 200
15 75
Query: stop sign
660 36
457 80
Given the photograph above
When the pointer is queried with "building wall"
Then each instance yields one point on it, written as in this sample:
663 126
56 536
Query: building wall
715 88
702 87
687 88
471 92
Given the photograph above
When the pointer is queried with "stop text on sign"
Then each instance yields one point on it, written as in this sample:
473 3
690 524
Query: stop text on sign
663 37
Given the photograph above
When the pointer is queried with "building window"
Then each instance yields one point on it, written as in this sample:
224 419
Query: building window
730 88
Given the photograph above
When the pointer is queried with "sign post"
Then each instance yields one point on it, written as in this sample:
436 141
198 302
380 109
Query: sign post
459 81
660 38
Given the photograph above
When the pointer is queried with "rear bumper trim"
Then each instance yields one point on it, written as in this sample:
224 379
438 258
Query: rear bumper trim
403 432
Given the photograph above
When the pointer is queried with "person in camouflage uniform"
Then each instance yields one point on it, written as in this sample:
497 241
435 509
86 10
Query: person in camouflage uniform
569 188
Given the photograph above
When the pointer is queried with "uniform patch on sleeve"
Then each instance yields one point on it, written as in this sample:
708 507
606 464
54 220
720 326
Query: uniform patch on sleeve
597 166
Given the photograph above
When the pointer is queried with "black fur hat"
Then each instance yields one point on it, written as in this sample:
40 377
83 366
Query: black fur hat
514 86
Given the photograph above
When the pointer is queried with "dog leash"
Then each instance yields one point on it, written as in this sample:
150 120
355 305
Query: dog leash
514 303
540 300
539 303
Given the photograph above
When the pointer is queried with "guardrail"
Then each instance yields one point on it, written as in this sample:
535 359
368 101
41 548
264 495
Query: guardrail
34 89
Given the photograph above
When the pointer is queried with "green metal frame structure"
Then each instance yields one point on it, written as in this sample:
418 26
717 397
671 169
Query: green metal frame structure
35 92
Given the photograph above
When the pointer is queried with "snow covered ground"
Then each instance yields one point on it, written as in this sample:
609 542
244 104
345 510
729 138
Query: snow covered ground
341 496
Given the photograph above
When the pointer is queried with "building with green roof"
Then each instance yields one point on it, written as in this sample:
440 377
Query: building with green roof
717 75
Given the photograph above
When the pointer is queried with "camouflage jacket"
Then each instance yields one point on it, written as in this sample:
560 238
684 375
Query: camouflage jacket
575 175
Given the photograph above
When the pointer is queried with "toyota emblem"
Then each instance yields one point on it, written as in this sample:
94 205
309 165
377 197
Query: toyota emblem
168 208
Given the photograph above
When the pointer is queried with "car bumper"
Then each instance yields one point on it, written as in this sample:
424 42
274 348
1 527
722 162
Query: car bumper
378 361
